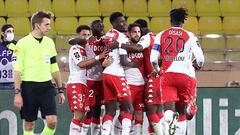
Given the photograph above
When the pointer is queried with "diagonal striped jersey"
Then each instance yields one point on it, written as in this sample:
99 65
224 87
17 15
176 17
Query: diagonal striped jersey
176 47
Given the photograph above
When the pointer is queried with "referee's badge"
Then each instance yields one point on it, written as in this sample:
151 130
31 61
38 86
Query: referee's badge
47 58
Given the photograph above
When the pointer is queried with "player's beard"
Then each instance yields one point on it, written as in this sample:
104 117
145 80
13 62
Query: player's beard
135 39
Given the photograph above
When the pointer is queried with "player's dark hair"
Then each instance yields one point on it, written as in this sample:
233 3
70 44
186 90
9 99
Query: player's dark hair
114 16
130 26
95 22
143 23
178 15
82 27
38 17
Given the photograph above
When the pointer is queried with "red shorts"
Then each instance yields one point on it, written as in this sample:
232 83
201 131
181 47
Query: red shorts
95 92
76 94
193 89
153 94
137 97
176 87
115 88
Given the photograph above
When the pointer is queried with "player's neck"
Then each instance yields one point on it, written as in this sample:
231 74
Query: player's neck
176 25
97 35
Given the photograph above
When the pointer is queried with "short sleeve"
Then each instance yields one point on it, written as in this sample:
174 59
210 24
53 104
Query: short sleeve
53 49
145 41
196 49
54 65
20 56
76 55
157 42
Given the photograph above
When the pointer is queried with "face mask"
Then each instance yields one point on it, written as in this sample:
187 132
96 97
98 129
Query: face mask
10 37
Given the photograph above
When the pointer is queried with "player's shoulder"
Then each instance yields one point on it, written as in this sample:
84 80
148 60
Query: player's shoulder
75 47
144 37
189 33
153 35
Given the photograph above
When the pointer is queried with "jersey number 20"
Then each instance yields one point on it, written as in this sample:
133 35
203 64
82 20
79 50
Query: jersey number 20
178 46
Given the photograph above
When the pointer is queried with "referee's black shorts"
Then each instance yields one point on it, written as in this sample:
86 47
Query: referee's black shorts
37 96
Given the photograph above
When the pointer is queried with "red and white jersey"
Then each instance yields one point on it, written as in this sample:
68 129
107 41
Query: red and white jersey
94 48
77 54
192 72
147 42
192 69
135 76
176 46
115 68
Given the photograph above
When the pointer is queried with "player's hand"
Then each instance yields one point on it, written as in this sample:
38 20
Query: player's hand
195 65
18 101
107 62
113 45
61 98
103 55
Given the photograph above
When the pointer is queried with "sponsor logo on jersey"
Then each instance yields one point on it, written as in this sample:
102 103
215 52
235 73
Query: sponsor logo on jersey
135 55
97 48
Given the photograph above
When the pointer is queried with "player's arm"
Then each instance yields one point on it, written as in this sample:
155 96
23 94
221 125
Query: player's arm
143 43
124 59
92 61
107 61
124 62
154 58
82 63
132 47
155 54
198 53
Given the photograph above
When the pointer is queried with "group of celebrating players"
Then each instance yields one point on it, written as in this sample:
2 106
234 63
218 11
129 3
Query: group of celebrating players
136 70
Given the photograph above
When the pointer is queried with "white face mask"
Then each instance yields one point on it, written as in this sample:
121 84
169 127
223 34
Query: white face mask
10 37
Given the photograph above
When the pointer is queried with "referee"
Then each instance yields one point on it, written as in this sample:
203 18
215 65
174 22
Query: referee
35 66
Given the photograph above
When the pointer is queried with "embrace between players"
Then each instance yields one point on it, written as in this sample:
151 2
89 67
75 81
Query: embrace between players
136 70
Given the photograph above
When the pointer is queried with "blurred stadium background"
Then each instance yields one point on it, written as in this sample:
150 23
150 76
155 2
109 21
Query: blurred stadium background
215 22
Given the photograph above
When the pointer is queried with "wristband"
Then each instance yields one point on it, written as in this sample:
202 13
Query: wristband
61 90
97 57
120 45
